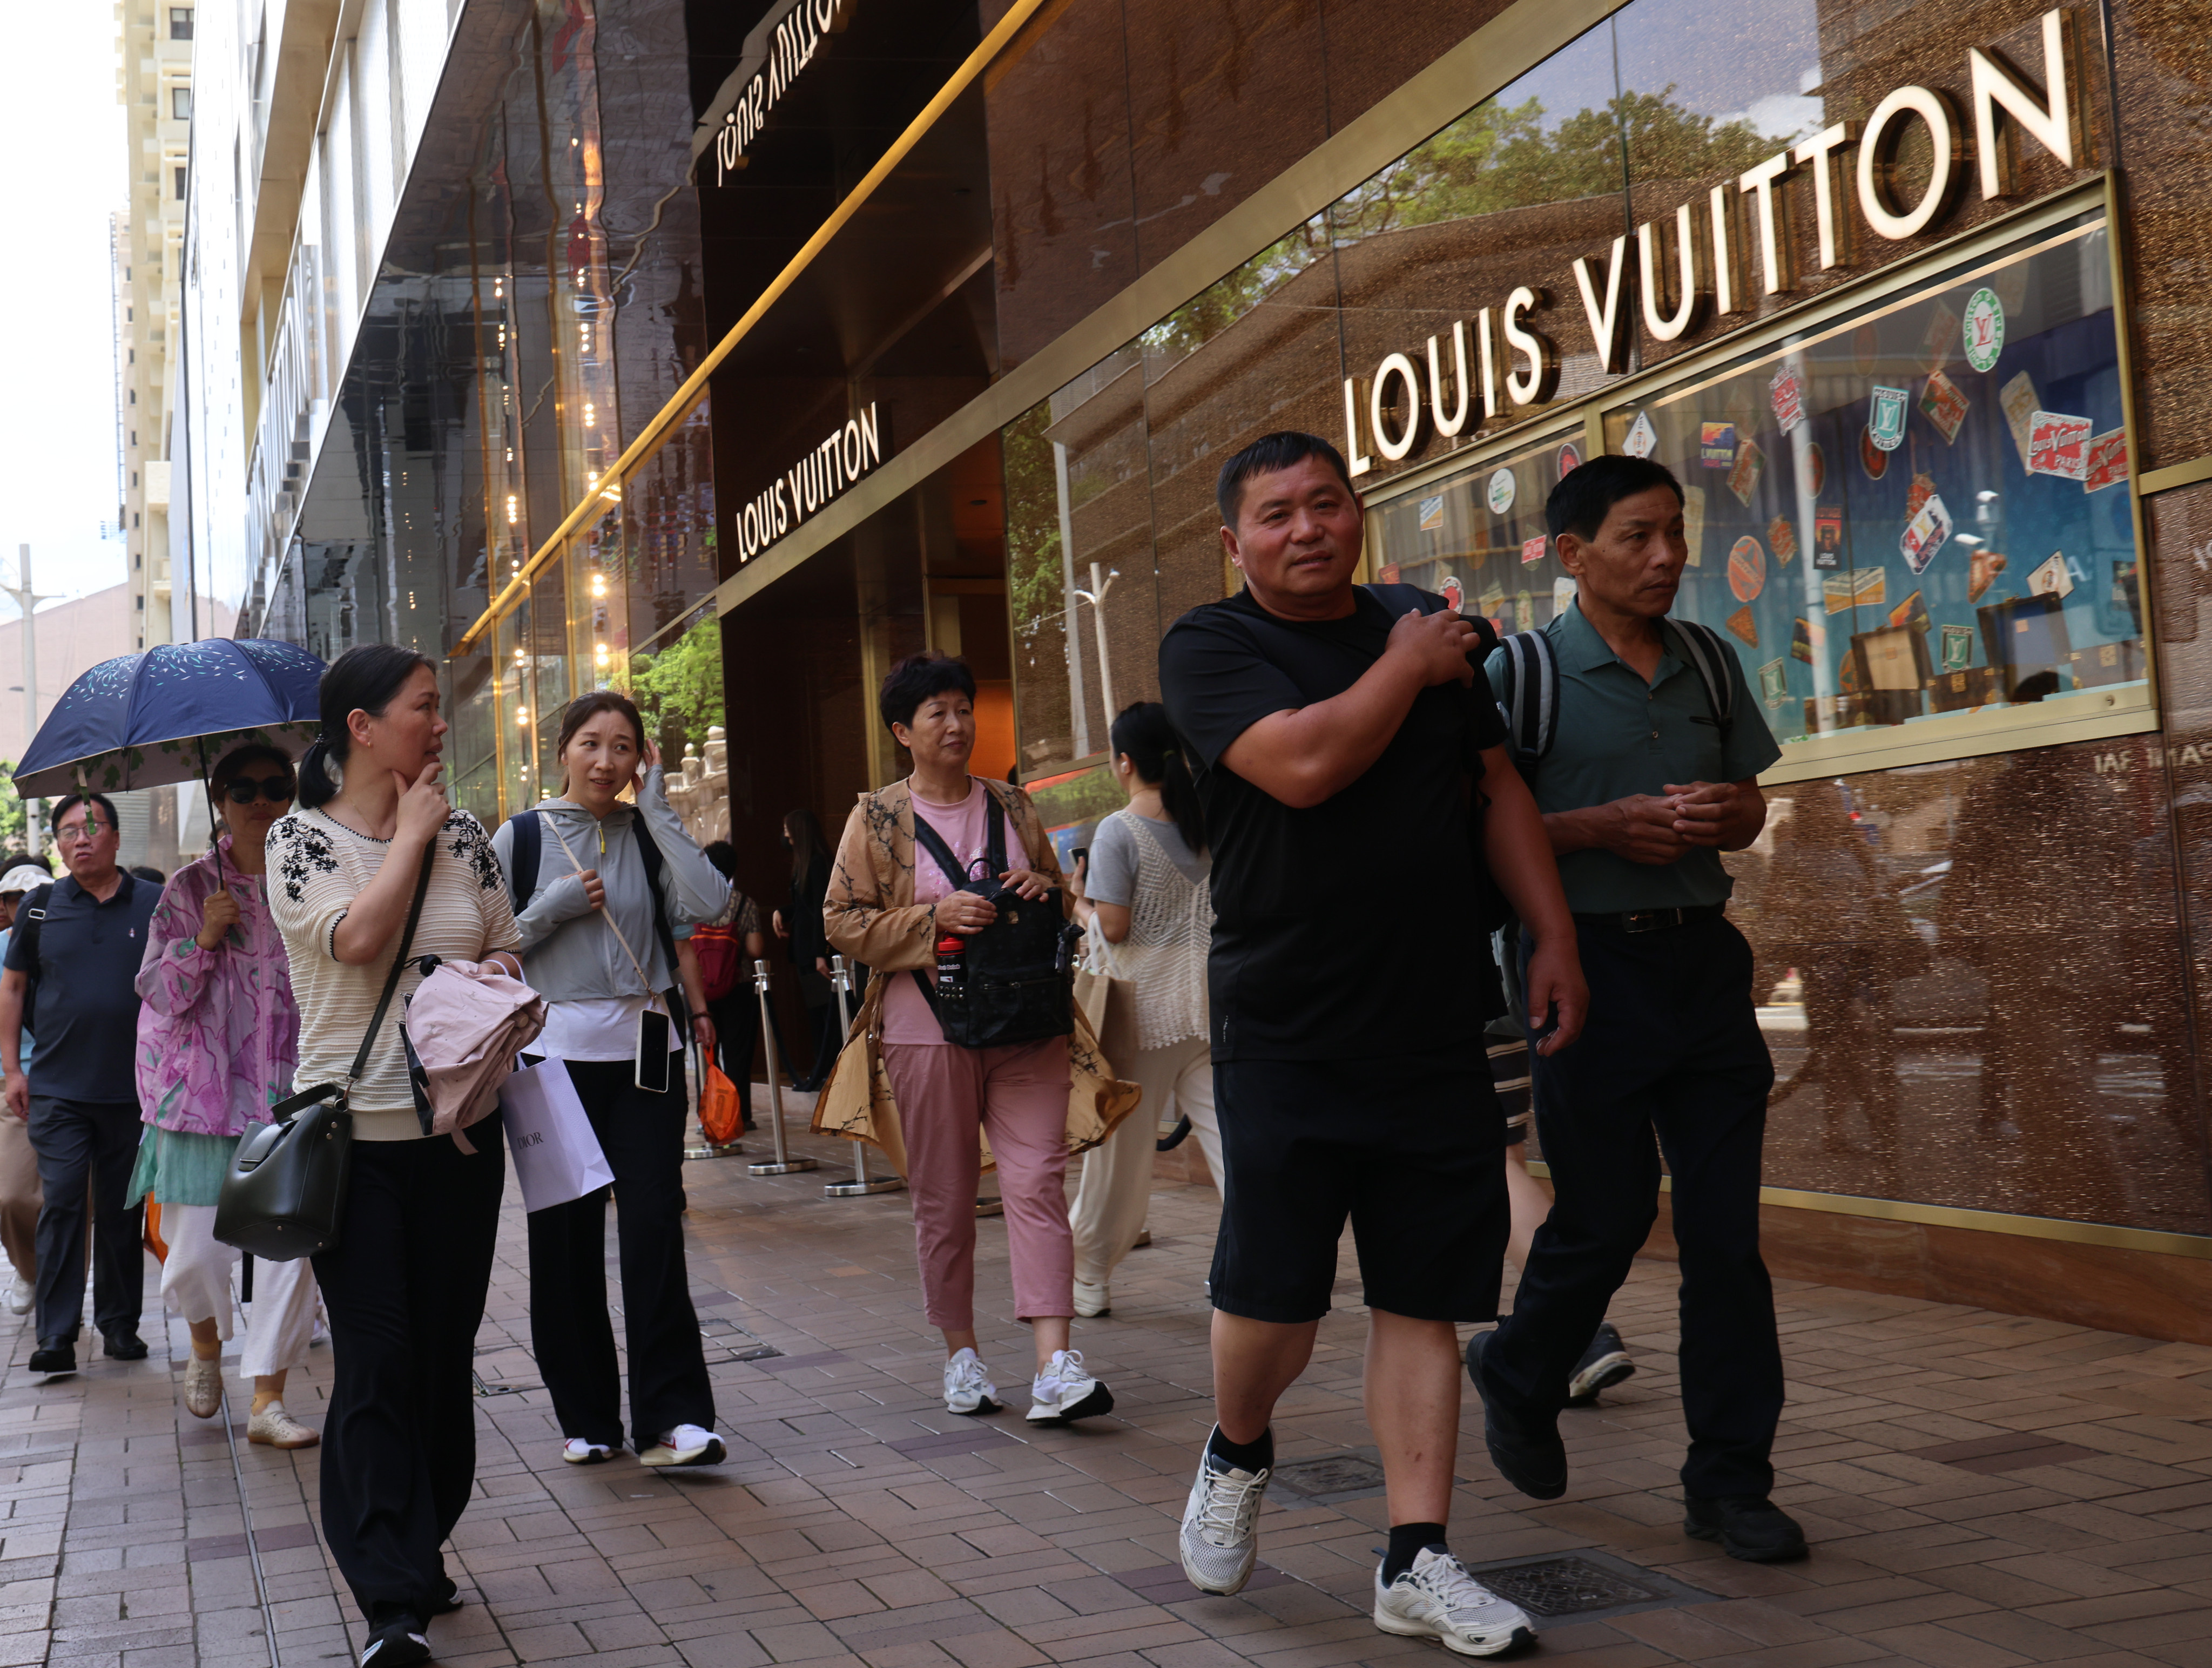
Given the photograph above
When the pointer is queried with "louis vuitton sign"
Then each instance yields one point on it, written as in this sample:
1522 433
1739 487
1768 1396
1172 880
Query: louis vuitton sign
1705 258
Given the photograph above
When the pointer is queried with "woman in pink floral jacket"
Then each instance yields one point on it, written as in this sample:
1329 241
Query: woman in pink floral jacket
218 1040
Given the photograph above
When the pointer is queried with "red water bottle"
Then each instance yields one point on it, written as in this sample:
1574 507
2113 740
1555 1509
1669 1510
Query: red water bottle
951 964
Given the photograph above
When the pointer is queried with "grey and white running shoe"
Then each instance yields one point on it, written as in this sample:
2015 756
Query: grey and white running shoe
968 1387
1436 1598
1066 1392
1220 1540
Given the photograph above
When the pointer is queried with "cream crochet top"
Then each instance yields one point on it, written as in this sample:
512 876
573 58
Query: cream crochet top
1163 957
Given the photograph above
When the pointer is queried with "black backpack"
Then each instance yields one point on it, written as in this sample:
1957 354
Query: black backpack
1019 971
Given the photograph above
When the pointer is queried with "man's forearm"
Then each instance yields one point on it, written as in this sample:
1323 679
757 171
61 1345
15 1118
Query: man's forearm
11 1031
1517 849
1747 821
1587 828
1306 755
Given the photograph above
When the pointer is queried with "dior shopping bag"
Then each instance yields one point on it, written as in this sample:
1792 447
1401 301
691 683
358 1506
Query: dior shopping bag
557 1157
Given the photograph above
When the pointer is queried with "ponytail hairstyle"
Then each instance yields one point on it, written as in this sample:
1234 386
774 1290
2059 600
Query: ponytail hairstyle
363 679
1143 733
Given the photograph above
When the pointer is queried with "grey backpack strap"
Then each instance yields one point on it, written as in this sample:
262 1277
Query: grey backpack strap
1704 649
1531 704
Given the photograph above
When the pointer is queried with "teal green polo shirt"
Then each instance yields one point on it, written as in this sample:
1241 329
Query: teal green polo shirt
1619 736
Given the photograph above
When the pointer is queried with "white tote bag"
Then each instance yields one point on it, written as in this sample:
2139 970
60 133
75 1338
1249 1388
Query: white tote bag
557 1157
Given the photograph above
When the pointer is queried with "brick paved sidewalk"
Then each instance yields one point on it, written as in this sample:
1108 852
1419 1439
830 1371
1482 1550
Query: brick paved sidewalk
1984 1489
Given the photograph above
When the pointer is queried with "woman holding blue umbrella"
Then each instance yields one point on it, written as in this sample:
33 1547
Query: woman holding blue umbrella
218 1040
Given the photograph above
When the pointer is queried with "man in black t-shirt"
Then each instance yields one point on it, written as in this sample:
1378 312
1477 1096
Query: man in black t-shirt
1344 744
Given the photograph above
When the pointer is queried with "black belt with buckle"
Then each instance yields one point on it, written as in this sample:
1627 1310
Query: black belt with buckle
1653 920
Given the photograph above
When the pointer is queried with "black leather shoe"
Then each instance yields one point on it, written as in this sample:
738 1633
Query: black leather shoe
395 1636
1528 1452
54 1355
1751 1527
124 1346
443 1600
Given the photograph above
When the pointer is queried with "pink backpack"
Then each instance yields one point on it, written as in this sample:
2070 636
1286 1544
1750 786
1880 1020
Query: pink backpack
465 1024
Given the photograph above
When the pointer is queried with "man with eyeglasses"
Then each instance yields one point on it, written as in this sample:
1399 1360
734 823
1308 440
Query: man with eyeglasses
72 962
20 1197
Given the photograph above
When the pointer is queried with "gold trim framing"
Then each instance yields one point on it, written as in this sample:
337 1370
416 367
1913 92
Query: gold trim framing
2154 481
1938 740
2111 1235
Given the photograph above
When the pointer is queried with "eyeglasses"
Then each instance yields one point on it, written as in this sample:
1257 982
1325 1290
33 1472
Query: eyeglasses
69 832
245 790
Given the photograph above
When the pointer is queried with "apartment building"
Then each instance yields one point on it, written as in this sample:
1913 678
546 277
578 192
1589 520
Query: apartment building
153 84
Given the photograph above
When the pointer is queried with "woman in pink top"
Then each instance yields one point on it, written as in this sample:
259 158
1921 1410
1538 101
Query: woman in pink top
218 1039
887 906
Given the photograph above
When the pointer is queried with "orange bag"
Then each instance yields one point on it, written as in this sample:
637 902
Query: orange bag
721 1108
155 1242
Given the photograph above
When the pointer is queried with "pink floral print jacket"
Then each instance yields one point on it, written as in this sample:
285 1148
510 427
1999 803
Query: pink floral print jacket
219 1033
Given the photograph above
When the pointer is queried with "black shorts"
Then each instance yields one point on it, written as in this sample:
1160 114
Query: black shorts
1409 1148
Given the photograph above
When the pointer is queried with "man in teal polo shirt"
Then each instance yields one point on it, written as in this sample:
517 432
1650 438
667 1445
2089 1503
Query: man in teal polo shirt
1648 781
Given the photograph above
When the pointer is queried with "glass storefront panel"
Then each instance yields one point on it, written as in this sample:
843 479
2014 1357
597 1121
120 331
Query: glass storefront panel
1478 539
1916 515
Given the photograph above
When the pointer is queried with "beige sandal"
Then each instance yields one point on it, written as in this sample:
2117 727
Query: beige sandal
203 1386
277 1429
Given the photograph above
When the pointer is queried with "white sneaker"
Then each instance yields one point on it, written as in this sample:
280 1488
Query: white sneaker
1092 1301
1436 1598
1219 1540
20 1293
1064 1392
273 1428
687 1445
203 1386
968 1387
577 1452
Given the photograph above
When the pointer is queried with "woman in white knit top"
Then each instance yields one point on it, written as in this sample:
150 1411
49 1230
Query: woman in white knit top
1144 891
405 1283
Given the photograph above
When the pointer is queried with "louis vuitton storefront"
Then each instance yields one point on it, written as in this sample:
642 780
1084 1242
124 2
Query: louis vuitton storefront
955 313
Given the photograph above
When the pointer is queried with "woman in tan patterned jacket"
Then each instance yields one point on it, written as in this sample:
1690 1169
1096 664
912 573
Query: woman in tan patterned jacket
930 1104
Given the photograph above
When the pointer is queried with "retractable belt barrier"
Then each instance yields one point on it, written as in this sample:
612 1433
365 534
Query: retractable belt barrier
783 1163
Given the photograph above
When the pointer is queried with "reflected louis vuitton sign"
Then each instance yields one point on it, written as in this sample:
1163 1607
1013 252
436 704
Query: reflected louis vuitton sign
781 49
1704 259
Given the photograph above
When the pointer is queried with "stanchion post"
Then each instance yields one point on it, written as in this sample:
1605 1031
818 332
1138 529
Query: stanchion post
840 980
783 1163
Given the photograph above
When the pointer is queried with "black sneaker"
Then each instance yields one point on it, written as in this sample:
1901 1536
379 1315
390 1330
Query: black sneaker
445 1598
1528 1452
54 1355
1751 1527
123 1344
395 1635
1603 1365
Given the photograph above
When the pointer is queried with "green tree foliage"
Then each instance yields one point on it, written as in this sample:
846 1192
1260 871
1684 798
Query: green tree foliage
1033 556
12 823
1498 157
679 688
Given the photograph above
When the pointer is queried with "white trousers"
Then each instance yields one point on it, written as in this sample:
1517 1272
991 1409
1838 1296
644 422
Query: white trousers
196 1284
1116 1187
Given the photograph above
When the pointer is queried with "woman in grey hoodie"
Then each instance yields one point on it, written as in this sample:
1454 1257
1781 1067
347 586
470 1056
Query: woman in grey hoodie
612 886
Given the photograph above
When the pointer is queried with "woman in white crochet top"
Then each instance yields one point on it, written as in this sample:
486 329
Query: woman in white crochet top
1143 891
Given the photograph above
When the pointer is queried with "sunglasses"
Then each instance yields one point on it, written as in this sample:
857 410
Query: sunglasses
245 790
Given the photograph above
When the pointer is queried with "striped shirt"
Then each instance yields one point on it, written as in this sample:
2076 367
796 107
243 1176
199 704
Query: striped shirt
316 867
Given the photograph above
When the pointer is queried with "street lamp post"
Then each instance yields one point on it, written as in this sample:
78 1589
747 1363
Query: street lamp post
29 600
1097 597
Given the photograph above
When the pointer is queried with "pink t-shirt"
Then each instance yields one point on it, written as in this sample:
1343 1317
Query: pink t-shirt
965 827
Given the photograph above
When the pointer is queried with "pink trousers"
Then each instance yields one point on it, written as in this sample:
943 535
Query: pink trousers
1019 1097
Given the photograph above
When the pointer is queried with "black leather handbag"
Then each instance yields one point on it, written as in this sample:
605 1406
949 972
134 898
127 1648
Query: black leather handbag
283 1196
1017 977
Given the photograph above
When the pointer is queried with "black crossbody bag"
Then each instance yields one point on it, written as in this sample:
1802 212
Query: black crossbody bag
283 1196
1018 981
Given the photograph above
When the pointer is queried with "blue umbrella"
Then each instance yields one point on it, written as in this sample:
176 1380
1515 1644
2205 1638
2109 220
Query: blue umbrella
140 720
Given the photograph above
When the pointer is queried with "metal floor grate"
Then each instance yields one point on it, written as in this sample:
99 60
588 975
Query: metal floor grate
1331 1476
1585 1585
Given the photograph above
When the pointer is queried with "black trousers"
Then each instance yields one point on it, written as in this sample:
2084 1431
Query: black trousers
1672 1048
404 1286
642 1137
88 1146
